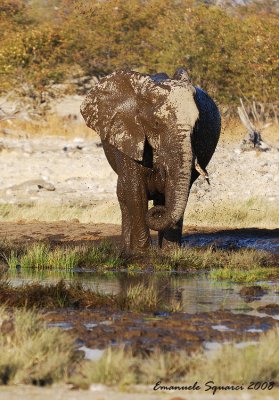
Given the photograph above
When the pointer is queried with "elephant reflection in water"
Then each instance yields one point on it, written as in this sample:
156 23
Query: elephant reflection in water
158 135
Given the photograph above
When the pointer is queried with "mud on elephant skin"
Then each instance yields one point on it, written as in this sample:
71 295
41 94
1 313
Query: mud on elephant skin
158 135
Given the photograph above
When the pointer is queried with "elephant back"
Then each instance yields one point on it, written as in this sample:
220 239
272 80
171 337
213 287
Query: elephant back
207 128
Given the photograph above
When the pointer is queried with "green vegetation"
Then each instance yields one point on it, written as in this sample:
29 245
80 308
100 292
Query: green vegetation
41 256
243 275
183 259
238 265
30 352
231 54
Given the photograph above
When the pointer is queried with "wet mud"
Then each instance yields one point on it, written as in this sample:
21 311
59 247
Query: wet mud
145 332
232 239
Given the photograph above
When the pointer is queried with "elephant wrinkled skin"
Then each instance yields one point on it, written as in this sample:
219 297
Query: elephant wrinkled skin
158 135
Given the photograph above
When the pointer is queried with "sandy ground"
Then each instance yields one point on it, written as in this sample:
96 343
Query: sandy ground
55 170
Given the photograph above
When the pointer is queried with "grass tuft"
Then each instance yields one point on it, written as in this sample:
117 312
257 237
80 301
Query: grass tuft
41 256
30 352
230 364
243 276
237 366
35 257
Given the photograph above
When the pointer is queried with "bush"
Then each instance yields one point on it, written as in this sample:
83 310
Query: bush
231 54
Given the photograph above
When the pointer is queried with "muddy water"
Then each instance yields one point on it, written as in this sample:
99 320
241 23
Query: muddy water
205 313
194 293
259 239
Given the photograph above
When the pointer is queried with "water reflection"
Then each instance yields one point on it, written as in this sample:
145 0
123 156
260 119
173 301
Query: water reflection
194 293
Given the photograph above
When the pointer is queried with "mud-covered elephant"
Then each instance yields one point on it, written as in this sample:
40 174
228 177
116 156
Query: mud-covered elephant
158 135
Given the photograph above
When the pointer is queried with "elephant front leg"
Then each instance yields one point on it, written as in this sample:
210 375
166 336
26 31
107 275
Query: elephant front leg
126 225
133 202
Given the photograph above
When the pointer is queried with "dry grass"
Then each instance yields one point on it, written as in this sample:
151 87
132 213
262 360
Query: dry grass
234 132
254 212
101 212
145 297
30 352
51 296
51 125
234 214
148 296
237 366
227 366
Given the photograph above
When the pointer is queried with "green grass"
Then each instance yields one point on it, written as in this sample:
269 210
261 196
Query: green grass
211 259
246 266
239 265
242 276
41 256
30 352
35 257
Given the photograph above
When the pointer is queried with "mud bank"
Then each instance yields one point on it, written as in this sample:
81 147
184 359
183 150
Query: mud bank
145 332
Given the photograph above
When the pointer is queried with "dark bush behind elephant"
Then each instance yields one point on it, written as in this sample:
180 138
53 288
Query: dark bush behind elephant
158 135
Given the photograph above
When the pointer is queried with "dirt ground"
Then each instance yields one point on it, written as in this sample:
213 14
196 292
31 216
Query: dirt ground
74 232
98 392
67 232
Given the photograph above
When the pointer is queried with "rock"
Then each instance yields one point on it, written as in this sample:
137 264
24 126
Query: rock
7 327
39 183
251 293
270 309
46 185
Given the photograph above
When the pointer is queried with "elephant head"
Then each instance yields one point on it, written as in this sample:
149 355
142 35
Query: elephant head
128 108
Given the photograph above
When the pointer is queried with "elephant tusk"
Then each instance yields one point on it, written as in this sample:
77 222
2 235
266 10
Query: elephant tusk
202 172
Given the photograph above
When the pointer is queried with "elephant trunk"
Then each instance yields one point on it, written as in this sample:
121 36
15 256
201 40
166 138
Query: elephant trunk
177 188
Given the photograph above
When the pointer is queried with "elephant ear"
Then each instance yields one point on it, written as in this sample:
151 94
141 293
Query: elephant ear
111 109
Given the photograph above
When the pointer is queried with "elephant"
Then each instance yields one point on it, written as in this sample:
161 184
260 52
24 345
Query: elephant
158 134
